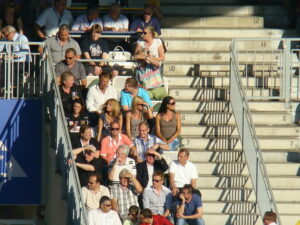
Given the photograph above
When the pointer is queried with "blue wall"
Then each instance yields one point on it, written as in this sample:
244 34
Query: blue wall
20 151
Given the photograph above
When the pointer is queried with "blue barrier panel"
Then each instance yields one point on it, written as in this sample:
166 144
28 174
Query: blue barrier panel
20 151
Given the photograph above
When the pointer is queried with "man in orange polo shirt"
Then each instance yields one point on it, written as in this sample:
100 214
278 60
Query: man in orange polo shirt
110 143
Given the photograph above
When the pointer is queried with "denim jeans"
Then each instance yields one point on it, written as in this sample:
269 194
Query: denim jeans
181 221
174 145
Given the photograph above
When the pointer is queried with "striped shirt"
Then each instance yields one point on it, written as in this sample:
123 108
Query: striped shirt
125 198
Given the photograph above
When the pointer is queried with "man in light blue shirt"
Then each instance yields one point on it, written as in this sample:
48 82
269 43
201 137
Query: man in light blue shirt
19 51
130 91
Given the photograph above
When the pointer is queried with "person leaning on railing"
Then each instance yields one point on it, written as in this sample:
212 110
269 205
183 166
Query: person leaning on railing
16 53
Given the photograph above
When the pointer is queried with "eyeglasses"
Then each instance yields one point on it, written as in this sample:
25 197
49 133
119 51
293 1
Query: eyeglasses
172 103
156 181
113 128
69 57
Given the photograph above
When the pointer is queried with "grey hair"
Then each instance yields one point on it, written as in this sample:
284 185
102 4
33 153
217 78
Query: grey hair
124 148
8 29
124 173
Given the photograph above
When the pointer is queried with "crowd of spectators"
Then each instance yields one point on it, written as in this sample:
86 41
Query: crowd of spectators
118 142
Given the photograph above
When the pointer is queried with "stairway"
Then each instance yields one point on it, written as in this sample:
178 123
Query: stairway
197 34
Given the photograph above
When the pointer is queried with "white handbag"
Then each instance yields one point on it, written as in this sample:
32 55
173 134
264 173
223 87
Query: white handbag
120 54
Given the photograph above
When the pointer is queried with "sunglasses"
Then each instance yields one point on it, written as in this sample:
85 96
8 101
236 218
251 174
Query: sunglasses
88 152
113 128
172 103
69 57
156 181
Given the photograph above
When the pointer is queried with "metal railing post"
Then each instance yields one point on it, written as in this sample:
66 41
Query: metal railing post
287 66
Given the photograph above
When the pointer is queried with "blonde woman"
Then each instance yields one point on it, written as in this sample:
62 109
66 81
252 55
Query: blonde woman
150 53
111 113
140 112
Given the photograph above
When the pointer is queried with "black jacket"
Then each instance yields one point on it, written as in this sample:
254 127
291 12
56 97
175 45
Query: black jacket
142 172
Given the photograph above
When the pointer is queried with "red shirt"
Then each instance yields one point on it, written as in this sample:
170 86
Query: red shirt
159 220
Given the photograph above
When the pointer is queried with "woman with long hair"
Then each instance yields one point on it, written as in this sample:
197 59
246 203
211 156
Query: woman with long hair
139 112
168 123
111 113
150 53
77 118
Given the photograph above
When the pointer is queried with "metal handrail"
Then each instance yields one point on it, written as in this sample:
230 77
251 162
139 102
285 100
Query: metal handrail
70 167
258 173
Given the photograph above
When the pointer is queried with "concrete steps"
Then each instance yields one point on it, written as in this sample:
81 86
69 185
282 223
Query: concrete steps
233 143
223 57
222 10
198 36
223 118
214 68
225 131
213 22
222 32
221 82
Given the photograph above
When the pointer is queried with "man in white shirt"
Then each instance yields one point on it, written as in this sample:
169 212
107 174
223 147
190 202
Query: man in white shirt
98 95
182 172
116 22
86 21
270 218
52 18
93 192
122 161
104 215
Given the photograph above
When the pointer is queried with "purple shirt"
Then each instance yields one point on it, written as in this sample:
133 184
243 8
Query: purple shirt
139 22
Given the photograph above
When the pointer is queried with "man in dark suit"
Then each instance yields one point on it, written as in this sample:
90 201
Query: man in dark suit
145 169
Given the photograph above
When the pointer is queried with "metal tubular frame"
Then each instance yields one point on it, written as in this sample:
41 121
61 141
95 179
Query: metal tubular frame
260 180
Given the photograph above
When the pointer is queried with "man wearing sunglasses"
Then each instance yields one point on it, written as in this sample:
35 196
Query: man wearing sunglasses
110 144
104 215
157 197
147 19
70 64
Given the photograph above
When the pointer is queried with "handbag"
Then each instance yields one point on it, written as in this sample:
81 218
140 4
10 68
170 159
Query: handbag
119 54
